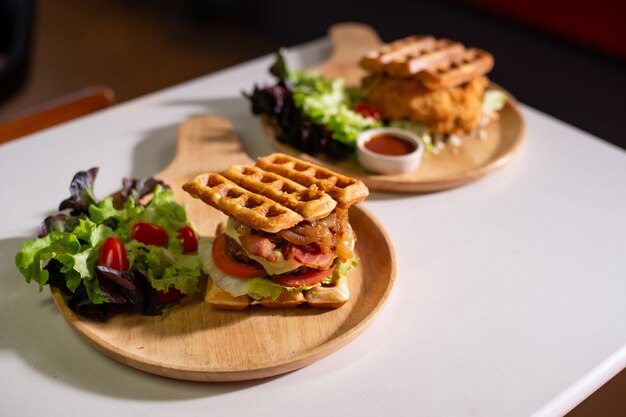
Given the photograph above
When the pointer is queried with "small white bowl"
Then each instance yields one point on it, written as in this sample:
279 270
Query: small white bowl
389 164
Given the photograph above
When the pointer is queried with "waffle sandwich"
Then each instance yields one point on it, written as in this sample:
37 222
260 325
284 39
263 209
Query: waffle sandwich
287 240
434 82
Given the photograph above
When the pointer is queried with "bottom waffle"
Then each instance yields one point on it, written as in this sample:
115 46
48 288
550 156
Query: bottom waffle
318 297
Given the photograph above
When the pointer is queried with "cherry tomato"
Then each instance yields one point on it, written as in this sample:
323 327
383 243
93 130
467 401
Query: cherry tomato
309 278
173 294
236 269
149 234
113 255
188 238
367 110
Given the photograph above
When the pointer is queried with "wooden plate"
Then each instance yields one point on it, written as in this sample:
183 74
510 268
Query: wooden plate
452 167
198 343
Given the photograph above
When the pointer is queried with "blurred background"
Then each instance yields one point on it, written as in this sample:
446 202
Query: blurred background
565 58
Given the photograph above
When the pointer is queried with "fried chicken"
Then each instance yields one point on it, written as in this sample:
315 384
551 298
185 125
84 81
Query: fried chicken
453 110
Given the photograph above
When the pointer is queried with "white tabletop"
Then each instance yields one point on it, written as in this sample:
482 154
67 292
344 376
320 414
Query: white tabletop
509 298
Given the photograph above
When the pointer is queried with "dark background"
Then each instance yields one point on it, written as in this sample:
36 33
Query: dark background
558 72
573 81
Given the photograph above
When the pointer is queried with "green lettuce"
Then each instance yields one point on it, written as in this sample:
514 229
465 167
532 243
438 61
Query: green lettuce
493 101
66 252
165 268
76 252
265 287
330 103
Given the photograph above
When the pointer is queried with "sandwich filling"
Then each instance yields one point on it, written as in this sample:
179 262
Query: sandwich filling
244 261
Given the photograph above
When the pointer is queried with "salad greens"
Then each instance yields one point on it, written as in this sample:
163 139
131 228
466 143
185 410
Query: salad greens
311 113
66 253
330 103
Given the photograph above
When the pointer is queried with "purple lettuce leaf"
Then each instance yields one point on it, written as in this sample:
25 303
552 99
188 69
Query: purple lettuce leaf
81 193
138 188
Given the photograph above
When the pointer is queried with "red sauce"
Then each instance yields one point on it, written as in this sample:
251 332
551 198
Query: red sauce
386 144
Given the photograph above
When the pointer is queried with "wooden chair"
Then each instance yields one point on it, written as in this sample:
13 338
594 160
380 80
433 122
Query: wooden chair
63 109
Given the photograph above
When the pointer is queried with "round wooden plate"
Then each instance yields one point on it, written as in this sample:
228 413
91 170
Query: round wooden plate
452 167
196 342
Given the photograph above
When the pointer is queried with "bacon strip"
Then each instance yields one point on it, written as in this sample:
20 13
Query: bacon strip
313 259
258 246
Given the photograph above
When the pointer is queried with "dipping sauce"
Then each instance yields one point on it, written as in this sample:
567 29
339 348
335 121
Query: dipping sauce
386 144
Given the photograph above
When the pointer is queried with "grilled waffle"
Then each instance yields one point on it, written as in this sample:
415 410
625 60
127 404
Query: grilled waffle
277 193
254 210
345 190
310 203
453 72
436 63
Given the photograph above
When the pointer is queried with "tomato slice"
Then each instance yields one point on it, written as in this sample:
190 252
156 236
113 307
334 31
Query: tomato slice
188 239
113 254
173 294
149 234
367 110
309 278
236 269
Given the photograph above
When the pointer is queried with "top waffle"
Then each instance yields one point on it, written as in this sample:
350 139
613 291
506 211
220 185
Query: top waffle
277 193
345 190
437 63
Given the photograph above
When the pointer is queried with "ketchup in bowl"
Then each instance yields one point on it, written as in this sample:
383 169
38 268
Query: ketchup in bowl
387 144
389 150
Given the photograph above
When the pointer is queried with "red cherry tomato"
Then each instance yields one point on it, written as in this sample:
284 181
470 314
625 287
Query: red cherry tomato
188 238
113 255
173 294
309 278
149 234
236 269
367 110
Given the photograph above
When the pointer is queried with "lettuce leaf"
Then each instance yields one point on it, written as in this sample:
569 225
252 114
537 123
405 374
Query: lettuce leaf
342 269
164 269
76 252
493 101
265 287
329 103
81 192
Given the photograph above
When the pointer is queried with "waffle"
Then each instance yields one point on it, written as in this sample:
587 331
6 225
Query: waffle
311 203
319 297
409 56
437 63
254 210
447 74
219 298
345 190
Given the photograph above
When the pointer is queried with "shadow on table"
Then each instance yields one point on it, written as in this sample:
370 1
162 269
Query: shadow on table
32 329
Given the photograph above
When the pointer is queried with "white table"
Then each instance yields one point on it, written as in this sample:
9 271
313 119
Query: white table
509 298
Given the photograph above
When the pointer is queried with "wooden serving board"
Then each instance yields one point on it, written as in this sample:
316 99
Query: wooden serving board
453 167
196 342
